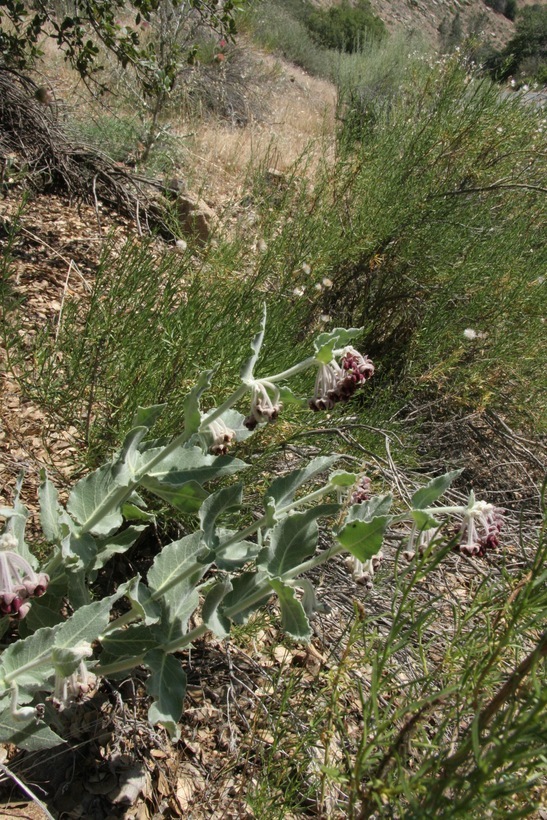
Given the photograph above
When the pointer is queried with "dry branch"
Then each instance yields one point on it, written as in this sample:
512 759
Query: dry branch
32 138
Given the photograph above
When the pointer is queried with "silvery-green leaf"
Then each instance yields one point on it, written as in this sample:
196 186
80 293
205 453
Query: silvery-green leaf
178 606
427 495
423 520
49 508
363 539
246 588
131 512
78 551
177 562
293 540
77 589
328 341
192 414
282 490
20 654
379 505
141 602
187 497
228 498
294 620
87 495
236 555
125 464
218 623
173 578
32 736
310 601
270 516
116 544
190 464
88 622
132 642
147 416
167 685
247 370
340 478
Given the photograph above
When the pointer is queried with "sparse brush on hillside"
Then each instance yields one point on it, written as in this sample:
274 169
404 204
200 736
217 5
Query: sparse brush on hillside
524 58
426 231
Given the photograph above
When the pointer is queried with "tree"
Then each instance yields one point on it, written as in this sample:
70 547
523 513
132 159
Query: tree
95 24
528 47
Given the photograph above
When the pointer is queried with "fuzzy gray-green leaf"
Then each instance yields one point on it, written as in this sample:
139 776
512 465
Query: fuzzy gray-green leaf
49 508
88 494
167 685
32 736
363 539
218 623
282 490
186 498
427 495
228 498
247 370
293 540
294 620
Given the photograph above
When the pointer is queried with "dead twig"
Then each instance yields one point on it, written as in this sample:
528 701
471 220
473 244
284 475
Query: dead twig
28 792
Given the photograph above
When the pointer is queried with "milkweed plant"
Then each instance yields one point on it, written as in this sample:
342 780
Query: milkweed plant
67 639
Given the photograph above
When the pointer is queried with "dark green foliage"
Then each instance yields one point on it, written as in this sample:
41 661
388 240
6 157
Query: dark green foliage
346 27
506 7
526 52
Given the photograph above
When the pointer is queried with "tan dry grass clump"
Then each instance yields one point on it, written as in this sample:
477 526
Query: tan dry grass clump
297 120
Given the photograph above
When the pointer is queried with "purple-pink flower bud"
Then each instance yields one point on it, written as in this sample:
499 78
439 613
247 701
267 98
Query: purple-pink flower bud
18 580
338 382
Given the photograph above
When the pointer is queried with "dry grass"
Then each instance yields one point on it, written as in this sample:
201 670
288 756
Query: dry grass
298 120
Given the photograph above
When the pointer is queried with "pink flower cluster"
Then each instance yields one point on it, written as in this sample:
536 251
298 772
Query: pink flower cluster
481 528
338 382
18 581
362 491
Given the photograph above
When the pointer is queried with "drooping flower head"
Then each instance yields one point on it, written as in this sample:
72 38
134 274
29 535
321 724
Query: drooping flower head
480 527
338 382
264 408
74 688
18 580
222 436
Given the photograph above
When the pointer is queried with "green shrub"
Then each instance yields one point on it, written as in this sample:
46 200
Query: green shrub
282 27
346 27
528 44
506 7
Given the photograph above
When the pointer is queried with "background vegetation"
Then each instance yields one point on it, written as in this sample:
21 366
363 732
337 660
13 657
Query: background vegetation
425 226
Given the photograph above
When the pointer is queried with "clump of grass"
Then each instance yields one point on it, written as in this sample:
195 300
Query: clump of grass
281 27
114 134
433 700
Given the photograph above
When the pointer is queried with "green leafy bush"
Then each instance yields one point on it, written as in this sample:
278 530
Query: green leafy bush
505 7
346 27
526 52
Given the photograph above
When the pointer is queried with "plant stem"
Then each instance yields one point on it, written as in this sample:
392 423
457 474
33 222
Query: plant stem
226 405
292 371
